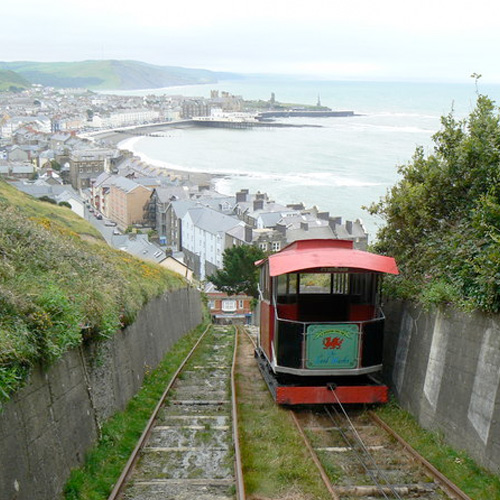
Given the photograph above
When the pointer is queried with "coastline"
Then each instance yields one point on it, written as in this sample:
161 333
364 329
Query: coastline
125 141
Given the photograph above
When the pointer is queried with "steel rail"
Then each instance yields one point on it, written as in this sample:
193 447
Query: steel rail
117 490
250 337
314 456
450 488
384 490
238 467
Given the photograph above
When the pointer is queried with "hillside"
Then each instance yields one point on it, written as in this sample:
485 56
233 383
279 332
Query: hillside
110 74
61 284
13 82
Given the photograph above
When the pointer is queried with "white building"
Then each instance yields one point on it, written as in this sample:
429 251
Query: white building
124 118
204 238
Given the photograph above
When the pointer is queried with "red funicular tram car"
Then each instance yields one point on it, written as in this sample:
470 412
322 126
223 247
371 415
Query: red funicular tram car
321 325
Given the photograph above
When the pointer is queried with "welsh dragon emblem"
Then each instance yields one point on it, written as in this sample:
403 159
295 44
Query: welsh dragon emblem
332 343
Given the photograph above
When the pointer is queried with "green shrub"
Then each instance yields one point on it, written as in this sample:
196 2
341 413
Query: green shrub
438 293
443 216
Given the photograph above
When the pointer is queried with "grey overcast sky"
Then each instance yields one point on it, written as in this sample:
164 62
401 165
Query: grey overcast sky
331 39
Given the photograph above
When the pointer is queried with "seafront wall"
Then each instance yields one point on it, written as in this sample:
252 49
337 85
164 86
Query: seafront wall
48 426
444 367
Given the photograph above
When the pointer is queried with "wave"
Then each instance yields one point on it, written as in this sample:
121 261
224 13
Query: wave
379 127
404 128
401 114
309 179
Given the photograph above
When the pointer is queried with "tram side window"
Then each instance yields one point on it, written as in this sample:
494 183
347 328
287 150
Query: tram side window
265 282
292 284
365 287
286 288
341 283
282 285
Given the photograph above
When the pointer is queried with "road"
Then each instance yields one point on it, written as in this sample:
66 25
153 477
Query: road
106 231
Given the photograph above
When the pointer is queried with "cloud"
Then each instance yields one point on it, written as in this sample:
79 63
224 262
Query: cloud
359 38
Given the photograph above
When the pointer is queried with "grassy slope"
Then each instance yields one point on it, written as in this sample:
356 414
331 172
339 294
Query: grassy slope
61 284
10 79
108 74
31 207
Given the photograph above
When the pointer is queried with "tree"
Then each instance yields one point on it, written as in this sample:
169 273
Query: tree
239 274
55 165
443 216
48 199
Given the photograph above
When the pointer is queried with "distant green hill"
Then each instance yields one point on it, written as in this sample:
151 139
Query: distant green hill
11 81
110 74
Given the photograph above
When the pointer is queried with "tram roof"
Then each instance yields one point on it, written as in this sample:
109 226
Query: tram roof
304 255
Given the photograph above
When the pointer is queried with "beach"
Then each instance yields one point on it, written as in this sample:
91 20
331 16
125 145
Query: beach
125 140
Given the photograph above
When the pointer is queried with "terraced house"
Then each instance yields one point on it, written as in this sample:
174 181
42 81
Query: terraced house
126 202
206 233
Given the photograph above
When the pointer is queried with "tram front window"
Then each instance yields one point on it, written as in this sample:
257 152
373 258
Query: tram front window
315 283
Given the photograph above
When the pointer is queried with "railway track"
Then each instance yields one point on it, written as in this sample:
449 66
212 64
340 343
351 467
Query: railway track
359 456
366 459
189 449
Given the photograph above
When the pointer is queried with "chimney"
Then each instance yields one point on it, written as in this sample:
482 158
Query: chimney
348 226
333 222
304 226
258 204
296 206
260 196
281 228
248 234
323 215
241 195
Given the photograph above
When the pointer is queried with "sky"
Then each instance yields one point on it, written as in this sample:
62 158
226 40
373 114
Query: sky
429 40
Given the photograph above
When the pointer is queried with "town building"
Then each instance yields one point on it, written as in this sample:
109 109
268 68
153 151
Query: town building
17 170
161 217
99 192
228 309
204 238
139 246
87 164
124 118
126 202
176 265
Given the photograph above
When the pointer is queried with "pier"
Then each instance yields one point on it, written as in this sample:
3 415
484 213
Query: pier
245 124
300 113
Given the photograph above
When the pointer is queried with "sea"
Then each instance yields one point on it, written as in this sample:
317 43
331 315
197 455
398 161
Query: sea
341 166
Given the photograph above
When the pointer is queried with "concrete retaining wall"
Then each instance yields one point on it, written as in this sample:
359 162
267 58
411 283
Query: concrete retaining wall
444 367
46 429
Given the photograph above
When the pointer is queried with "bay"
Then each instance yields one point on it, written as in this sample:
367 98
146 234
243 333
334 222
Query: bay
344 164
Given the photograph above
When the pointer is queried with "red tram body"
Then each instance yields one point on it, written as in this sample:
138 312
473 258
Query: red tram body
321 324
